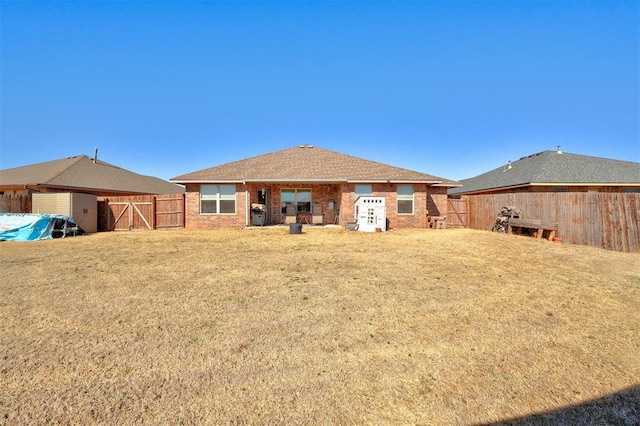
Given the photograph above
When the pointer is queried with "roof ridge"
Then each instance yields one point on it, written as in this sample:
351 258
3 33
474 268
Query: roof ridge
535 155
79 158
540 158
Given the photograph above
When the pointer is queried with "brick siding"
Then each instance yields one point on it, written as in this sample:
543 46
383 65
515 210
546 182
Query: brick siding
428 201
193 218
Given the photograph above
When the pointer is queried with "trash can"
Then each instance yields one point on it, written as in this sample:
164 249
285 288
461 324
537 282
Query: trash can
295 228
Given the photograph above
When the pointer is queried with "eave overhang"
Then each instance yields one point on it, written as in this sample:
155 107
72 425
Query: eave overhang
297 180
502 188
39 187
187 181
586 184
448 185
552 184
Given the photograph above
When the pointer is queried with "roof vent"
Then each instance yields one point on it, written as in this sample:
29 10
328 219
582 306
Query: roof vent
559 151
95 155
508 166
306 145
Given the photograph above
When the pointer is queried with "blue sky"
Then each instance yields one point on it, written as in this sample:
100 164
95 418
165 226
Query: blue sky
449 88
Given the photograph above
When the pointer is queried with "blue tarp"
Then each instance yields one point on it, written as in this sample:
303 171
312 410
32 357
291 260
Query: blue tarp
31 227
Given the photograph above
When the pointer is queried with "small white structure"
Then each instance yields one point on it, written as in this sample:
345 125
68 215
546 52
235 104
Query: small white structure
371 214
83 208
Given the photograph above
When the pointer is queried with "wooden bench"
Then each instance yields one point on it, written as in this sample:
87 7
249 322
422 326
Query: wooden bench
538 225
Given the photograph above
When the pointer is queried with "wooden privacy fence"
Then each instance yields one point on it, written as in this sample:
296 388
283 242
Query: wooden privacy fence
608 220
20 203
126 213
457 212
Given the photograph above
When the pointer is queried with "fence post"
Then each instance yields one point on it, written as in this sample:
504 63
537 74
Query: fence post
184 210
154 200
106 206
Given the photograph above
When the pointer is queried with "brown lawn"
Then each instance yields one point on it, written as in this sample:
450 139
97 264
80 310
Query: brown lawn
328 327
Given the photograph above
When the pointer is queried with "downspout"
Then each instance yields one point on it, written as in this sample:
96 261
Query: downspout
246 204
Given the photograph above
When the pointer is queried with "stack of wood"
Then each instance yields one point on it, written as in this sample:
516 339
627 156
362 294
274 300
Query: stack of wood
502 219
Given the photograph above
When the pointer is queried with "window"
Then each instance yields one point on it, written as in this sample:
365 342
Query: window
300 198
363 190
405 199
217 199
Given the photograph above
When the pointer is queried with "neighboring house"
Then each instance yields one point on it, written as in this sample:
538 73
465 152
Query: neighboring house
296 183
81 174
594 201
554 171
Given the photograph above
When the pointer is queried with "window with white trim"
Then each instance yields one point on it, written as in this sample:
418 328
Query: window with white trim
217 199
405 199
300 198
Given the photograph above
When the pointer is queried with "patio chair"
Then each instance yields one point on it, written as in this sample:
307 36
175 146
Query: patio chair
290 215
317 217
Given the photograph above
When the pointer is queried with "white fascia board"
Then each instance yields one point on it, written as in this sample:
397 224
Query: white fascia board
428 182
201 181
367 181
271 180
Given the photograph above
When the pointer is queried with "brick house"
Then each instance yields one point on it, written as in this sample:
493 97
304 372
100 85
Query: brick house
299 181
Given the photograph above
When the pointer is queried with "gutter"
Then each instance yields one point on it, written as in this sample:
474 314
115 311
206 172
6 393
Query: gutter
29 185
182 182
586 184
428 182
296 180
96 191
483 190
553 184
448 185
271 180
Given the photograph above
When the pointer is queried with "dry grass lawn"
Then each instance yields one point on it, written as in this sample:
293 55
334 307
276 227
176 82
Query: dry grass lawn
329 327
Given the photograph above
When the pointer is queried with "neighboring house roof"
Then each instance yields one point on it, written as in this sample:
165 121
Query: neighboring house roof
555 168
306 163
81 173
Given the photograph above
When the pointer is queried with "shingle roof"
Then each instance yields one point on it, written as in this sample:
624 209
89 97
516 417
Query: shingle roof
307 163
551 167
81 173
